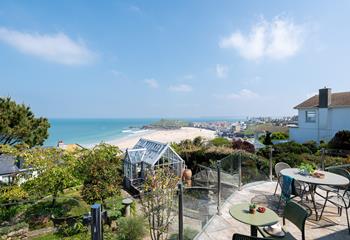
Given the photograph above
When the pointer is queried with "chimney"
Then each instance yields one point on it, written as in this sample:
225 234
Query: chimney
325 97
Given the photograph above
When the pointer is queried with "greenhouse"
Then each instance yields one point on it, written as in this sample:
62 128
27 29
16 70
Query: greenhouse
147 156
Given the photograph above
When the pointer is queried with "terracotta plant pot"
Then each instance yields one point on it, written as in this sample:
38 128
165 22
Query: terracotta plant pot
251 210
188 183
187 175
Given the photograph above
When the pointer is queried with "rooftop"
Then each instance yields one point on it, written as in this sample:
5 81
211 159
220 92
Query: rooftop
341 99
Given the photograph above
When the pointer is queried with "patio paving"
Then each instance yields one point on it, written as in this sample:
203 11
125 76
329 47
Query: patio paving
331 226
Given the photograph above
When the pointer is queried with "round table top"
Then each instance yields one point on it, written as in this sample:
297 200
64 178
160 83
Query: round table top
240 212
330 179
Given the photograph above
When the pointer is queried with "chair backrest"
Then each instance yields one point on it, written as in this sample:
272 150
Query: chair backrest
280 166
297 214
238 236
343 172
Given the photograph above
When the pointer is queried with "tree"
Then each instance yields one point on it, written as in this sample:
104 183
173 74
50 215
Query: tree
341 140
267 139
19 125
100 170
53 171
158 200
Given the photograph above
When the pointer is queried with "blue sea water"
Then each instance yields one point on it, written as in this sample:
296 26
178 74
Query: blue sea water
92 131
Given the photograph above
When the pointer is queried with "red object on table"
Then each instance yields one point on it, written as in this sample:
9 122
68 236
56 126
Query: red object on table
261 209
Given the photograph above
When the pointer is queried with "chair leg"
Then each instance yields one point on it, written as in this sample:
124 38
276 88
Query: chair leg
324 205
278 183
276 188
347 218
279 203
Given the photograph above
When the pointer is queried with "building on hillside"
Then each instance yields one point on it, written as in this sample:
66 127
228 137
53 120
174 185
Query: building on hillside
10 166
69 147
322 116
149 155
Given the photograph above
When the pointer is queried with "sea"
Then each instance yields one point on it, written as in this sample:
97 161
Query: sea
92 131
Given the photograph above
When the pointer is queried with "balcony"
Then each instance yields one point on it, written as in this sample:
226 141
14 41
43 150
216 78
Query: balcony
222 227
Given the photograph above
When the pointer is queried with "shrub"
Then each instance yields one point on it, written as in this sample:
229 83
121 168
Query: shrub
67 230
131 228
220 141
279 136
114 207
311 145
341 140
243 145
9 213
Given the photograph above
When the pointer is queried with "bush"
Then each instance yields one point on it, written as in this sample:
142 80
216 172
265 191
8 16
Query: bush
131 228
243 145
9 213
311 145
341 140
279 136
220 141
70 229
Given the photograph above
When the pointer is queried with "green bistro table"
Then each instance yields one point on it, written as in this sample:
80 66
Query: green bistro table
240 212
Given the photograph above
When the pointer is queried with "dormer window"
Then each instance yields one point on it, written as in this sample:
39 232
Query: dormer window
311 116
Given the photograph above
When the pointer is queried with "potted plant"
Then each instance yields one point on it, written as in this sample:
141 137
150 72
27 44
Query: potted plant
252 208
306 169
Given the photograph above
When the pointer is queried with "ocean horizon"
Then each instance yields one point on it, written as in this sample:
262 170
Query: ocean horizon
89 131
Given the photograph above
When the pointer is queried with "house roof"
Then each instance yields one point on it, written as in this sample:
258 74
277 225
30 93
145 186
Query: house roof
341 99
8 164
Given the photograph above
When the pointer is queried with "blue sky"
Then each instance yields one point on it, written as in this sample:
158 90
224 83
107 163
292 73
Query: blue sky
77 59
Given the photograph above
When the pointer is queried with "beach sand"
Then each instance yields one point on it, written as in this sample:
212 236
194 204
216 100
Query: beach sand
165 136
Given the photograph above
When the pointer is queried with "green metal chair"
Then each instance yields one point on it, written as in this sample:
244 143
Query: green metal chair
296 214
338 196
238 236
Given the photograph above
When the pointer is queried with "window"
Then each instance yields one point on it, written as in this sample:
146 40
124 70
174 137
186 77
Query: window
311 116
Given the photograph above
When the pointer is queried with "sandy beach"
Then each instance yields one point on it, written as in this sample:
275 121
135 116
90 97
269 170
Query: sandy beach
165 136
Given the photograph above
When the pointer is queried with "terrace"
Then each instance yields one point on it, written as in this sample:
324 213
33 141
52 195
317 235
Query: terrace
222 227
232 181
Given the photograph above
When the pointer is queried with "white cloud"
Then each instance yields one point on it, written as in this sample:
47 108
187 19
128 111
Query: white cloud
244 94
221 71
57 47
180 88
280 38
152 83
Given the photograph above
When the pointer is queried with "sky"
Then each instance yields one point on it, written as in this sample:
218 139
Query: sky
200 58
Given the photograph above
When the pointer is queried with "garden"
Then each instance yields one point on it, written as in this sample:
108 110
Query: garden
58 190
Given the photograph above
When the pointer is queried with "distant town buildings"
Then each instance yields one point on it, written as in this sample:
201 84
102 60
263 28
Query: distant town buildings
322 116
222 128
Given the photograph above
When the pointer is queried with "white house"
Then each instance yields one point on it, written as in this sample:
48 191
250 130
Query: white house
322 116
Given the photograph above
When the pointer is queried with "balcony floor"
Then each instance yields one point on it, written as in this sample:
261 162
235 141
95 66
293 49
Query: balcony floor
332 226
